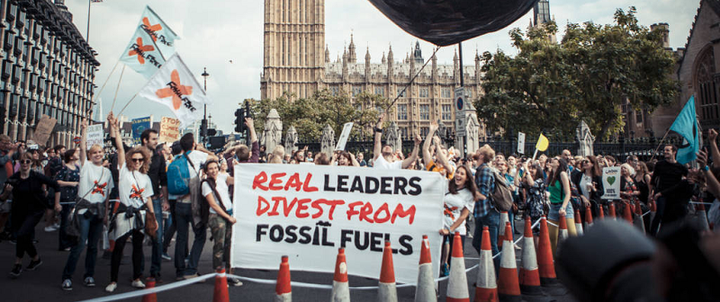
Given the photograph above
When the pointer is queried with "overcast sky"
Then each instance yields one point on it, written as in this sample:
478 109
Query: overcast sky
216 32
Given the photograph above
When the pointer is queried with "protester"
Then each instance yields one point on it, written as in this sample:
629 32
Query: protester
537 195
459 202
628 190
361 159
485 213
184 214
91 211
589 183
68 178
667 174
345 159
383 156
7 151
158 179
560 193
27 209
172 200
440 163
135 192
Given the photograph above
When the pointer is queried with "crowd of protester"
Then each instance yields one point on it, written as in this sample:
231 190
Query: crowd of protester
91 196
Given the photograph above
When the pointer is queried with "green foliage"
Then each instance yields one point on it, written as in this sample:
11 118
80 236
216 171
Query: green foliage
588 76
310 115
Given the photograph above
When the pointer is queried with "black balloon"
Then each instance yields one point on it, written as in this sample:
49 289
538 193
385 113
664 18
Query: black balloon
446 22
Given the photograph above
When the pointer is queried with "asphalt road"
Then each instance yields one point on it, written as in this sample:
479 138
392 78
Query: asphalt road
43 284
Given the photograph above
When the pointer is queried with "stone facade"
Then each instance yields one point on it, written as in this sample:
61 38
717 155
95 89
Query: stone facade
296 62
47 68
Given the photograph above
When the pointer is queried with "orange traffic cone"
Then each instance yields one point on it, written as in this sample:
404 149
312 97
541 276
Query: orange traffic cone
341 288
529 274
563 231
638 220
508 284
611 210
501 231
283 290
457 289
601 213
220 293
578 224
425 290
545 256
627 214
486 284
588 217
387 292
150 283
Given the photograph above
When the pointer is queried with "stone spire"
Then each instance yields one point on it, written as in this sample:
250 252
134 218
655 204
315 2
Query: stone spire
390 57
383 60
327 54
352 57
417 54
367 56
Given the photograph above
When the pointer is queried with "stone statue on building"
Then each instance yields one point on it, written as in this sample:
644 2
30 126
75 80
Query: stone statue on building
327 142
585 139
273 131
291 139
394 137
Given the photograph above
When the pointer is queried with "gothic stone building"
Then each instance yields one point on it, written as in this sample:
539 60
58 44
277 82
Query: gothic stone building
47 68
296 62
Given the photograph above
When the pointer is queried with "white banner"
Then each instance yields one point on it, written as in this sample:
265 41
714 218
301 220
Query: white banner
521 143
309 213
611 183
95 135
342 141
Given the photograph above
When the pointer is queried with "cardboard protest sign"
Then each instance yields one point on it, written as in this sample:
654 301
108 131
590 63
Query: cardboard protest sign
611 183
44 129
342 141
312 211
169 130
138 126
95 135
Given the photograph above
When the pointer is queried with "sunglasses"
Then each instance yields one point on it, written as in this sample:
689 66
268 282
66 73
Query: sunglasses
138 160
25 161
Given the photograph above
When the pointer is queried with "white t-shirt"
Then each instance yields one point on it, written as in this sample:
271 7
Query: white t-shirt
584 181
134 187
90 174
454 204
222 189
381 163
198 159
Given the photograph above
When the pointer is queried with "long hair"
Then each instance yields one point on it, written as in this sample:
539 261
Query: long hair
538 171
642 167
210 180
145 152
596 167
469 182
562 167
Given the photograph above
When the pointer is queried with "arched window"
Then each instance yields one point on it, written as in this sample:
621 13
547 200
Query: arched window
706 89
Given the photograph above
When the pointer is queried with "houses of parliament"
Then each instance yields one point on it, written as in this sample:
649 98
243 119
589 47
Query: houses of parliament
296 63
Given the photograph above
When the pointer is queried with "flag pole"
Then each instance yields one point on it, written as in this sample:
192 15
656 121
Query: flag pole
661 142
535 154
118 87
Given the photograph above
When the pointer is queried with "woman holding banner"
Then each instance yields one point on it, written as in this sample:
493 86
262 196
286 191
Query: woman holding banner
560 193
134 190
459 203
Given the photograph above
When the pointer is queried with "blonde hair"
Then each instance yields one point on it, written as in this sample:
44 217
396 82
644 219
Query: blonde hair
487 152
145 152
92 150
630 169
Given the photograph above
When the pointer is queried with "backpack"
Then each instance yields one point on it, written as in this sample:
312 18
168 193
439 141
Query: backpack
502 195
178 175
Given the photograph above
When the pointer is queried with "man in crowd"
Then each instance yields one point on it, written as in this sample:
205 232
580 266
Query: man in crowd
383 156
361 159
668 173
7 150
158 178
485 213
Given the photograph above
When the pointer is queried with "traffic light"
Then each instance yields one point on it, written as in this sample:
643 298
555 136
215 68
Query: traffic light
203 128
211 132
240 120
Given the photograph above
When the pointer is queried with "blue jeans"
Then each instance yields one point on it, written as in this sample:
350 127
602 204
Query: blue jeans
63 241
492 221
90 230
184 219
157 243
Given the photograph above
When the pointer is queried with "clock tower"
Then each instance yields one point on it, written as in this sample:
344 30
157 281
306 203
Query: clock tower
467 128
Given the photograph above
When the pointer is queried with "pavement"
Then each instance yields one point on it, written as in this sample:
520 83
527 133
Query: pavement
43 284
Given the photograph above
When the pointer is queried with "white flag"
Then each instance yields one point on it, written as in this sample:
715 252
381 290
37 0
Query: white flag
175 87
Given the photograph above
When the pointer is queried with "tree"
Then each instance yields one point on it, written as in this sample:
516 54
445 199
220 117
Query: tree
310 115
594 71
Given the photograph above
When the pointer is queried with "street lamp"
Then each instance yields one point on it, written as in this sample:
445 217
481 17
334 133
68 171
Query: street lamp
203 125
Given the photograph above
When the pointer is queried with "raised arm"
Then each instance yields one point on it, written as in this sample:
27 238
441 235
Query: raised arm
712 137
427 157
713 185
83 141
413 156
354 161
115 134
377 146
441 158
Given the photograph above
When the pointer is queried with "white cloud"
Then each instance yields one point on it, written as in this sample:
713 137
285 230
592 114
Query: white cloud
214 32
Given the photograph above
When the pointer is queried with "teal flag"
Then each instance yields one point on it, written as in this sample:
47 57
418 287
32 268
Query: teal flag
160 32
686 125
142 54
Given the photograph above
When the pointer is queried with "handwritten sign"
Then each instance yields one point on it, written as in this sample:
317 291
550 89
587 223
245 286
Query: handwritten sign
611 183
95 135
342 141
44 129
169 130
